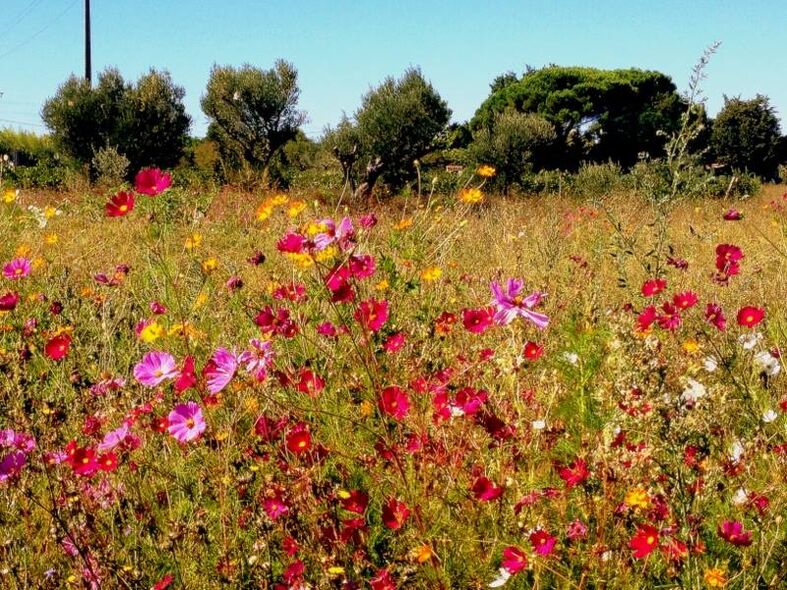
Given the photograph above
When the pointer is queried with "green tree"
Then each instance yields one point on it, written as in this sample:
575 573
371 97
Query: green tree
397 123
746 136
599 115
253 112
146 122
512 143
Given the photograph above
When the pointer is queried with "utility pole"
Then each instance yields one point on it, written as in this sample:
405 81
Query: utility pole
88 67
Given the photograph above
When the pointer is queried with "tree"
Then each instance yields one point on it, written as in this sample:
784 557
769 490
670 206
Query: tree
746 136
512 143
253 112
598 114
396 124
146 122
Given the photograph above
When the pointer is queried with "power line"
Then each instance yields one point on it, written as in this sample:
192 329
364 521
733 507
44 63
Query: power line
41 30
20 17
21 123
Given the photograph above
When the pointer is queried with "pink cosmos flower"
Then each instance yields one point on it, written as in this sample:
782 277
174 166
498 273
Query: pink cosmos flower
186 422
543 543
732 215
152 181
646 318
715 316
155 368
394 342
220 370
685 300
734 533
372 314
477 320
275 508
12 464
653 287
670 318
576 530
510 304
362 267
342 234
113 438
9 301
292 243
394 402
514 560
18 268
258 358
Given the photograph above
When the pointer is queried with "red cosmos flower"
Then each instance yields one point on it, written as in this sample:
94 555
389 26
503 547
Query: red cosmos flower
670 318
355 501
533 351
675 549
83 461
653 287
394 342
646 318
574 473
733 532
514 560
292 243
275 508
750 316
163 583
362 267
299 439
394 402
151 181
372 314
478 320
685 300
57 347
728 257
444 323
715 316
543 543
9 301
293 573
295 292
187 377
121 204
485 490
645 540
732 215
309 382
395 513
107 462
382 580
276 321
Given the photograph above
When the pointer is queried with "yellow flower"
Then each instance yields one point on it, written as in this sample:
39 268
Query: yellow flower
202 298
715 578
22 251
336 570
344 494
303 260
10 195
296 208
486 171
151 332
193 241
366 408
404 223
691 347
50 212
382 285
209 265
422 553
432 273
51 239
328 254
314 228
279 199
264 211
637 498
471 196
38 263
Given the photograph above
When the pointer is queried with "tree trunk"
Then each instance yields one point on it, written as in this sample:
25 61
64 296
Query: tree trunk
373 171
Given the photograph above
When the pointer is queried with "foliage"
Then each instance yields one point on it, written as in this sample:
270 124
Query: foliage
253 113
746 135
599 115
146 121
25 148
110 167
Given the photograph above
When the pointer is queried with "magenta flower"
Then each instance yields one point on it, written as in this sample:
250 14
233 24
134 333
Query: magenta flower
510 304
543 542
514 559
257 360
18 268
733 532
12 464
341 234
394 402
220 370
152 181
113 438
155 368
186 422
9 301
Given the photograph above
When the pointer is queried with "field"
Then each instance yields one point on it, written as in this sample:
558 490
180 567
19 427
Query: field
244 391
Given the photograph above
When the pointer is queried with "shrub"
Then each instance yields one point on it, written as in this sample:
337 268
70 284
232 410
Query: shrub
109 167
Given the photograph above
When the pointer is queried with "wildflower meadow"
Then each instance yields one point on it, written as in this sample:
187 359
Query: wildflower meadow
231 389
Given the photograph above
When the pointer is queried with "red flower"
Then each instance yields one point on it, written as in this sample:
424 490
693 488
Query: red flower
57 347
107 462
574 473
533 351
9 301
477 320
394 342
299 439
727 258
372 314
152 181
395 513
646 318
653 287
644 541
670 318
750 316
715 316
83 461
733 532
187 377
309 382
543 542
291 243
355 501
732 215
394 402
120 205
514 560
685 300
382 580
163 583
485 490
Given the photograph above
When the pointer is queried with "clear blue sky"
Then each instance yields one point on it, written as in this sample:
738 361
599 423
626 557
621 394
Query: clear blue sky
341 48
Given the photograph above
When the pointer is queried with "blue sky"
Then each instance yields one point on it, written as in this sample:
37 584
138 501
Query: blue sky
342 48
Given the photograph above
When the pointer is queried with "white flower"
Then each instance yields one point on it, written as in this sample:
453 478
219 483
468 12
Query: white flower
710 364
769 363
501 579
694 391
571 357
539 424
740 497
769 416
736 451
749 341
